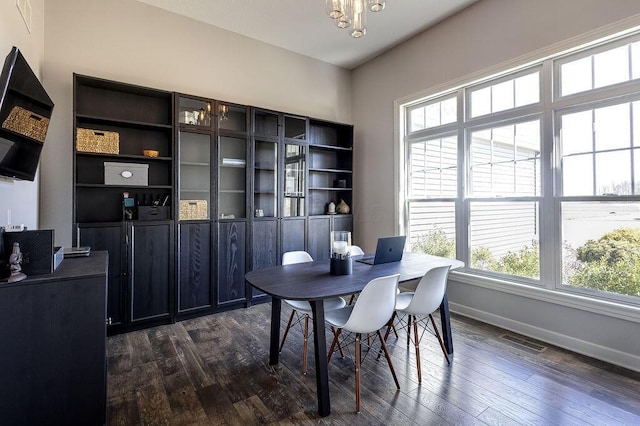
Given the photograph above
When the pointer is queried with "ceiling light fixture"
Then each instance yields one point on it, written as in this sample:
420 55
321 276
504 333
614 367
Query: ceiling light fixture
353 12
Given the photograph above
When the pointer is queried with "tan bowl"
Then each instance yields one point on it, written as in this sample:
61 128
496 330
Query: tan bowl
150 153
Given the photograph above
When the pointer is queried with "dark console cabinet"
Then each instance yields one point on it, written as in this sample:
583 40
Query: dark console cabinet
53 334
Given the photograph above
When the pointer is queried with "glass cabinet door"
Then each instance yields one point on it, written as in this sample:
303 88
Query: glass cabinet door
232 177
232 117
196 112
265 200
294 180
194 175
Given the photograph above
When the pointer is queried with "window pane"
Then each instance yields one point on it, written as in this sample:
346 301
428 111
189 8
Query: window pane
602 246
502 96
611 67
636 170
576 133
504 238
505 160
528 89
433 114
417 119
613 173
506 95
432 228
577 175
434 168
481 102
612 127
635 60
636 122
575 76
449 111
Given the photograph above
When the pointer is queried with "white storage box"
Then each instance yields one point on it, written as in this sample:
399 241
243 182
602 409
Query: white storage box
126 174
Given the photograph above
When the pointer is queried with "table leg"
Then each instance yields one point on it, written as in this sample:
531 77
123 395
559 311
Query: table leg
276 307
445 320
320 345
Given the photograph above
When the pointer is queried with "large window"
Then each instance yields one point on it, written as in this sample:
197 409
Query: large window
534 182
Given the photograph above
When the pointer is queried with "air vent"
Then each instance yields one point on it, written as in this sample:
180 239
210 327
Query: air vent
524 341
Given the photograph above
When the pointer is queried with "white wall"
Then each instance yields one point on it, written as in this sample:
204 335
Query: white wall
133 42
21 197
473 42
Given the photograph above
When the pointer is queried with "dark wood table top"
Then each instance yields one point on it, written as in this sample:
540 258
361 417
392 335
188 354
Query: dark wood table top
312 281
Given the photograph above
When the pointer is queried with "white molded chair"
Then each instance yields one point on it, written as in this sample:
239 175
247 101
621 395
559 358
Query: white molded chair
355 251
368 315
304 307
419 306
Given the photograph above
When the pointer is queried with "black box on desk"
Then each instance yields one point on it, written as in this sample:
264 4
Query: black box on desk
38 255
153 212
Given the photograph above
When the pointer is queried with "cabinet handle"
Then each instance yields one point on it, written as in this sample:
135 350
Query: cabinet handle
109 322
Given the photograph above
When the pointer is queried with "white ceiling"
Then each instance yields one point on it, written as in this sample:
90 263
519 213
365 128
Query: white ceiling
302 26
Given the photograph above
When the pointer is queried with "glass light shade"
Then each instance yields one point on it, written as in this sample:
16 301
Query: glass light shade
344 21
334 8
340 244
376 5
359 19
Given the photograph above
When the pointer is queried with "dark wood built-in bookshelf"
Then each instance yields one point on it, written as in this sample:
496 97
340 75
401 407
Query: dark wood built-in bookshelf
237 186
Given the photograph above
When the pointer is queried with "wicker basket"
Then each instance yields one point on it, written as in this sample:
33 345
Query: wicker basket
98 141
27 123
193 209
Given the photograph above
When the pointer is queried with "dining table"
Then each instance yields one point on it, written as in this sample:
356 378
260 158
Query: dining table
312 281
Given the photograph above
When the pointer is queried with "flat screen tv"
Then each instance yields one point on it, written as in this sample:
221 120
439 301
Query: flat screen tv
25 112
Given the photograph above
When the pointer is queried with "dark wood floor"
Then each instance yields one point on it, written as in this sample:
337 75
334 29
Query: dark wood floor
215 370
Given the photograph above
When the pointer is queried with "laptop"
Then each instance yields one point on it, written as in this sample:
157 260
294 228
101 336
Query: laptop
389 249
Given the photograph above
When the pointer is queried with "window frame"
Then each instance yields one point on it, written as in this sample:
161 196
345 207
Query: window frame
550 200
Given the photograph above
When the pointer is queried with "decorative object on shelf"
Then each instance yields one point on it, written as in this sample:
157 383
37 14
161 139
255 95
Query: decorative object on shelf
224 111
15 264
237 162
340 183
340 253
331 208
342 207
353 12
97 141
27 123
259 213
193 209
150 153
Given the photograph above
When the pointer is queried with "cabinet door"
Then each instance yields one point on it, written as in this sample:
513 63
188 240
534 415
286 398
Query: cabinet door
109 238
265 244
319 237
151 268
194 266
231 262
293 234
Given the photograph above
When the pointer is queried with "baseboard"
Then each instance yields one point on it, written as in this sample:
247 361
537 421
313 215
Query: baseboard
612 356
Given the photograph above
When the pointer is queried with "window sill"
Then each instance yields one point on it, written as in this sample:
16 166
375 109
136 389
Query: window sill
558 297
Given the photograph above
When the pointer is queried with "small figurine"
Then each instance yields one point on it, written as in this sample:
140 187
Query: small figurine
15 260
331 208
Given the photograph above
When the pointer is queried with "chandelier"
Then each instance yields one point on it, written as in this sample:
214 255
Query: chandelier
353 14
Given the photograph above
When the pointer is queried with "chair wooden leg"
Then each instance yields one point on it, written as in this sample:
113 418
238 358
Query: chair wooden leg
386 354
335 341
387 332
286 330
305 345
357 372
444 350
417 344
